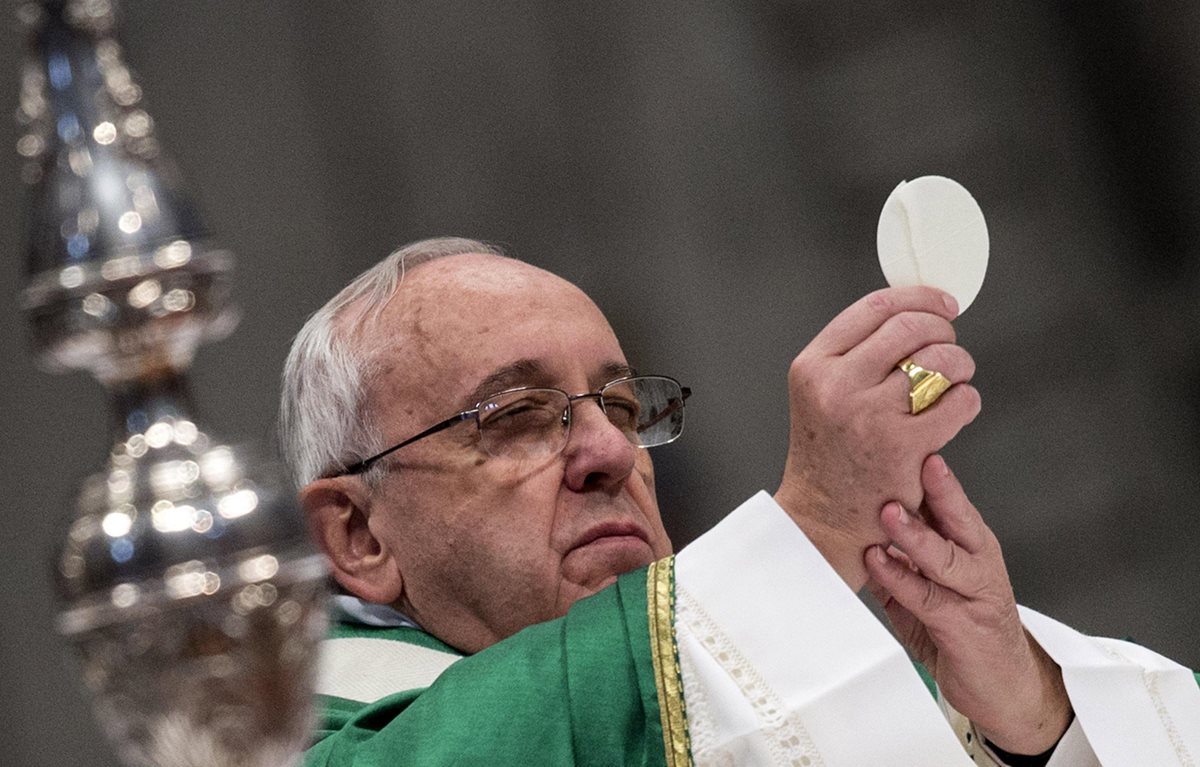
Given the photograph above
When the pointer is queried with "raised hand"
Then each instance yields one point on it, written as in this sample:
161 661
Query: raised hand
854 444
946 591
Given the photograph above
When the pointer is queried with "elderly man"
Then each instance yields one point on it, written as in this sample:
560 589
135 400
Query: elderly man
471 446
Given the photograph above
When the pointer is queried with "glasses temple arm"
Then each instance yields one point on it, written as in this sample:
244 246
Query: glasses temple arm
363 465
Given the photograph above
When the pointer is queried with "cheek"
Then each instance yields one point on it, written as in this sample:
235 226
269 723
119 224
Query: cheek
496 512
642 489
487 554
513 482
429 520
644 467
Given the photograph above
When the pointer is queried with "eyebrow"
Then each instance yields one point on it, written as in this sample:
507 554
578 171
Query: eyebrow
614 370
510 376
529 372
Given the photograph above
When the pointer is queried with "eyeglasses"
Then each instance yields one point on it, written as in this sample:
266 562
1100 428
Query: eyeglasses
535 422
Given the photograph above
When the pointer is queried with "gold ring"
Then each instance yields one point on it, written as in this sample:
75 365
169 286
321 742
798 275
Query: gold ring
924 386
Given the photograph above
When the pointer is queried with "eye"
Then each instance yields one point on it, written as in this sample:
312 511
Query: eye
622 411
526 414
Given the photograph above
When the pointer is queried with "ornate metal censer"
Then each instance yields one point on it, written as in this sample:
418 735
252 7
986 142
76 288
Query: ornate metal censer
187 582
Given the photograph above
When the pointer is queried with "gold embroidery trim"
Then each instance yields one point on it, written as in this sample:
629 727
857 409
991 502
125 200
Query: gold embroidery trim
664 652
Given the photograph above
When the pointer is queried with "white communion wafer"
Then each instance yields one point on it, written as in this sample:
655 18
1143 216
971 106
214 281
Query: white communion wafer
932 232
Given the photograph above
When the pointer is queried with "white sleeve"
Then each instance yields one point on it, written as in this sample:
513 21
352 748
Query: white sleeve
782 664
1134 706
1074 750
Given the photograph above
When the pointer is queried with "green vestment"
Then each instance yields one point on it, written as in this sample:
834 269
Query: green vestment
579 690
599 686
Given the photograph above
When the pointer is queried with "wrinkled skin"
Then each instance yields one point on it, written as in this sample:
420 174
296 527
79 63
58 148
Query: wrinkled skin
946 591
475 548
854 444
856 449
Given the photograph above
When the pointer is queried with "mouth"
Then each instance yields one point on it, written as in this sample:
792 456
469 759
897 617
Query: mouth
604 551
615 531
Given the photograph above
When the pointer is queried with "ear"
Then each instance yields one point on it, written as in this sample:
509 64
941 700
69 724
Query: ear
338 510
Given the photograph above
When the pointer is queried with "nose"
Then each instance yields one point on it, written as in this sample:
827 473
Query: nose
598 454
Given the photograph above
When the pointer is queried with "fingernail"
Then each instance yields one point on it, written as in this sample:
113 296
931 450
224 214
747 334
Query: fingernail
880 555
940 466
951 304
903 515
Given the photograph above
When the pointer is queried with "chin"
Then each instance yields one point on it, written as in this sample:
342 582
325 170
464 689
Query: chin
609 577
590 587
605 583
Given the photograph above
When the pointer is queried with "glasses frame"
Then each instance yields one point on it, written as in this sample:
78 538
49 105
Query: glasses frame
598 395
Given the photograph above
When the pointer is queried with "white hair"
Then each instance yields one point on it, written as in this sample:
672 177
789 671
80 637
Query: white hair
322 413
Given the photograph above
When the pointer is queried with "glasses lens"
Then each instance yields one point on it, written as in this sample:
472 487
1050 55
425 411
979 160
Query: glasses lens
529 423
649 409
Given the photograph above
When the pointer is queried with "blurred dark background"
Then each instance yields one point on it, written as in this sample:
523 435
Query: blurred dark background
711 172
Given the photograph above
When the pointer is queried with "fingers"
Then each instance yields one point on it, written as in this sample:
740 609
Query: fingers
902 558
900 336
949 509
941 560
866 315
916 594
916 437
953 362
933 566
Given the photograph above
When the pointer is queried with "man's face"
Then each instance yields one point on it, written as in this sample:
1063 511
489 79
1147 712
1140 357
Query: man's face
486 546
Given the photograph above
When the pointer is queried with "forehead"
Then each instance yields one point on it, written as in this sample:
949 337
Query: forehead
457 320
